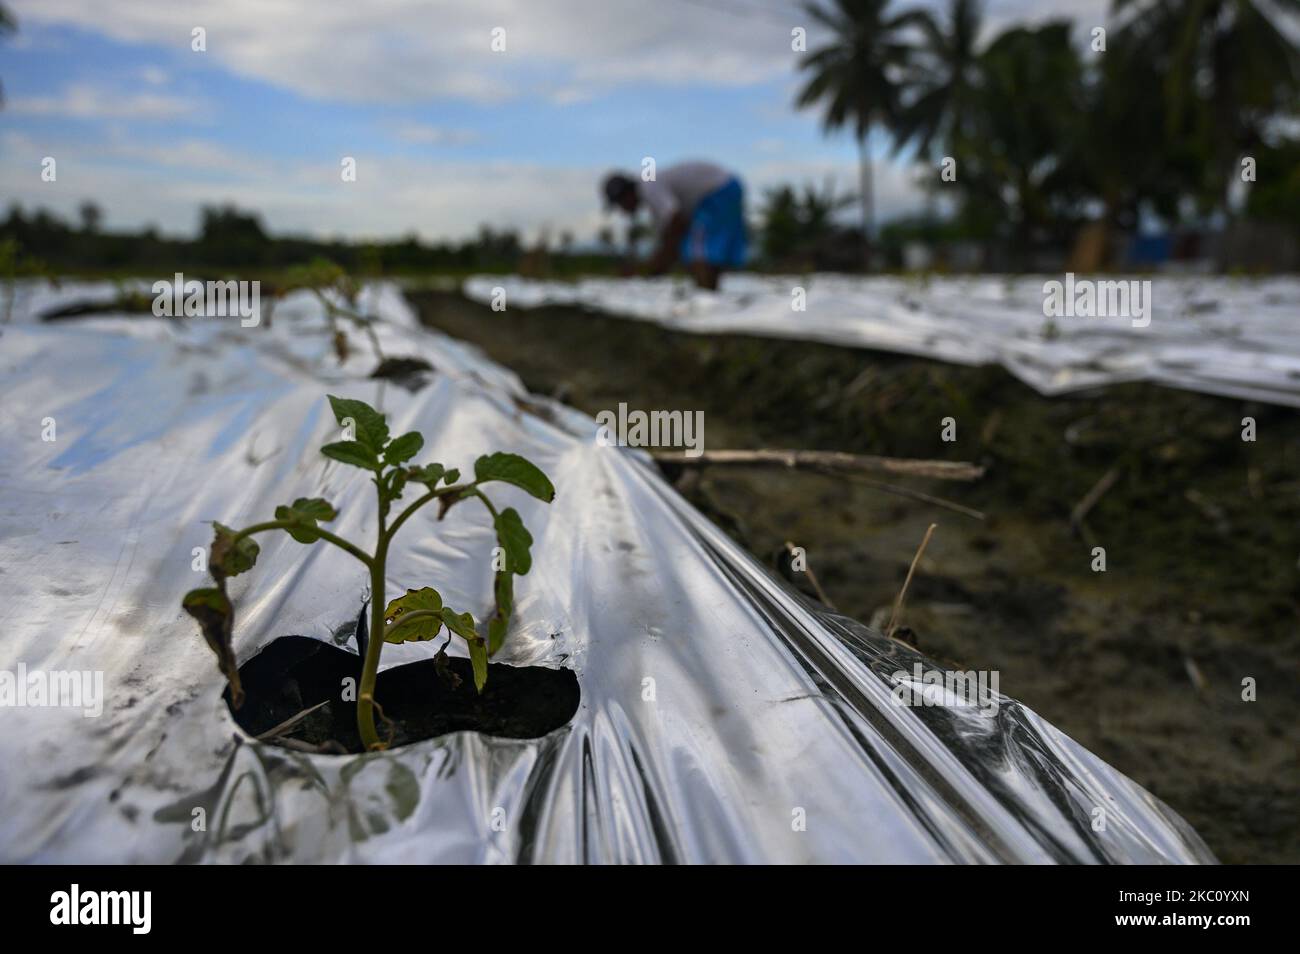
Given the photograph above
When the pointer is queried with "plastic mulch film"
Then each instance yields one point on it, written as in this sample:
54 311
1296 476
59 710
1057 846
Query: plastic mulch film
1226 336
773 733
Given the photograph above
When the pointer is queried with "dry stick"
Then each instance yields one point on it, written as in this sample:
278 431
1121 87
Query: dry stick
812 577
833 462
1089 501
902 594
924 498
328 747
733 458
1194 673
1253 482
1210 509
299 746
289 723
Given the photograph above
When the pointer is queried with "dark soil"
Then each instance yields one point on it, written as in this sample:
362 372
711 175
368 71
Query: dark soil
126 302
407 371
295 673
1143 663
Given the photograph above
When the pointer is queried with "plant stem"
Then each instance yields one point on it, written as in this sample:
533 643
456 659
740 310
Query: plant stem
376 564
487 503
366 691
323 534
420 502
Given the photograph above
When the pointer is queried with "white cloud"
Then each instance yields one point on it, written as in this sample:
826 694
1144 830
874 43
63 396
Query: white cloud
193 155
422 134
392 196
85 101
396 51
1001 14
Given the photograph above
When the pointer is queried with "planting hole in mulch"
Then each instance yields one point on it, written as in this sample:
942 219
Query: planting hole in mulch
406 372
296 673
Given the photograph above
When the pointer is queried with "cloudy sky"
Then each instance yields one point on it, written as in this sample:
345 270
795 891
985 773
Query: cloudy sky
446 133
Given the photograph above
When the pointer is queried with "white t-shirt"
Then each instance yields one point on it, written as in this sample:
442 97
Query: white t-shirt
680 188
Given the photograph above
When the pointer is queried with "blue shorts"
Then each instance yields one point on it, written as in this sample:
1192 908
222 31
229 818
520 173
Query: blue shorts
717 232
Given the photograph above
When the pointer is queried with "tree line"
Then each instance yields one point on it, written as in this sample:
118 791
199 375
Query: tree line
1158 113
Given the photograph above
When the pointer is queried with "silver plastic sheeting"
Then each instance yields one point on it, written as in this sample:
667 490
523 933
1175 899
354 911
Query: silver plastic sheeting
723 719
1227 336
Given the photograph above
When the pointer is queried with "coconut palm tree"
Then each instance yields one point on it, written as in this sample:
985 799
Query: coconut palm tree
1016 160
800 226
1126 150
940 85
1228 67
856 75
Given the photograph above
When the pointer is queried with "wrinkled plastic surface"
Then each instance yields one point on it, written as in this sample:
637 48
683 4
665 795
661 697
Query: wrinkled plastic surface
718 709
1226 336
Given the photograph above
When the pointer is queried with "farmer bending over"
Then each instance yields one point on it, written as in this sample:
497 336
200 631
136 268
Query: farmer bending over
699 217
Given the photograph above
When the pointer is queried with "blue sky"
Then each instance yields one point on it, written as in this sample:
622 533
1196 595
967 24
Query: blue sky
446 133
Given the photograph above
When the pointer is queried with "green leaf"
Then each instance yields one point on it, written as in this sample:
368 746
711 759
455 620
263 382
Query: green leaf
371 427
317 508
211 607
303 514
451 477
396 484
429 474
497 627
352 452
426 627
503 589
403 448
462 624
230 556
513 469
478 657
515 540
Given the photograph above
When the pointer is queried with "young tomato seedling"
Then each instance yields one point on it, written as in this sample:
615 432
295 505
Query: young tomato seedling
420 614
337 294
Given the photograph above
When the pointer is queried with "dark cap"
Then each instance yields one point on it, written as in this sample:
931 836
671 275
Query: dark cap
615 186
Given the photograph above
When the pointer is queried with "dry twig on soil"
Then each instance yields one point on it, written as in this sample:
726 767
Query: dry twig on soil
838 464
902 594
830 462
812 577
1084 506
